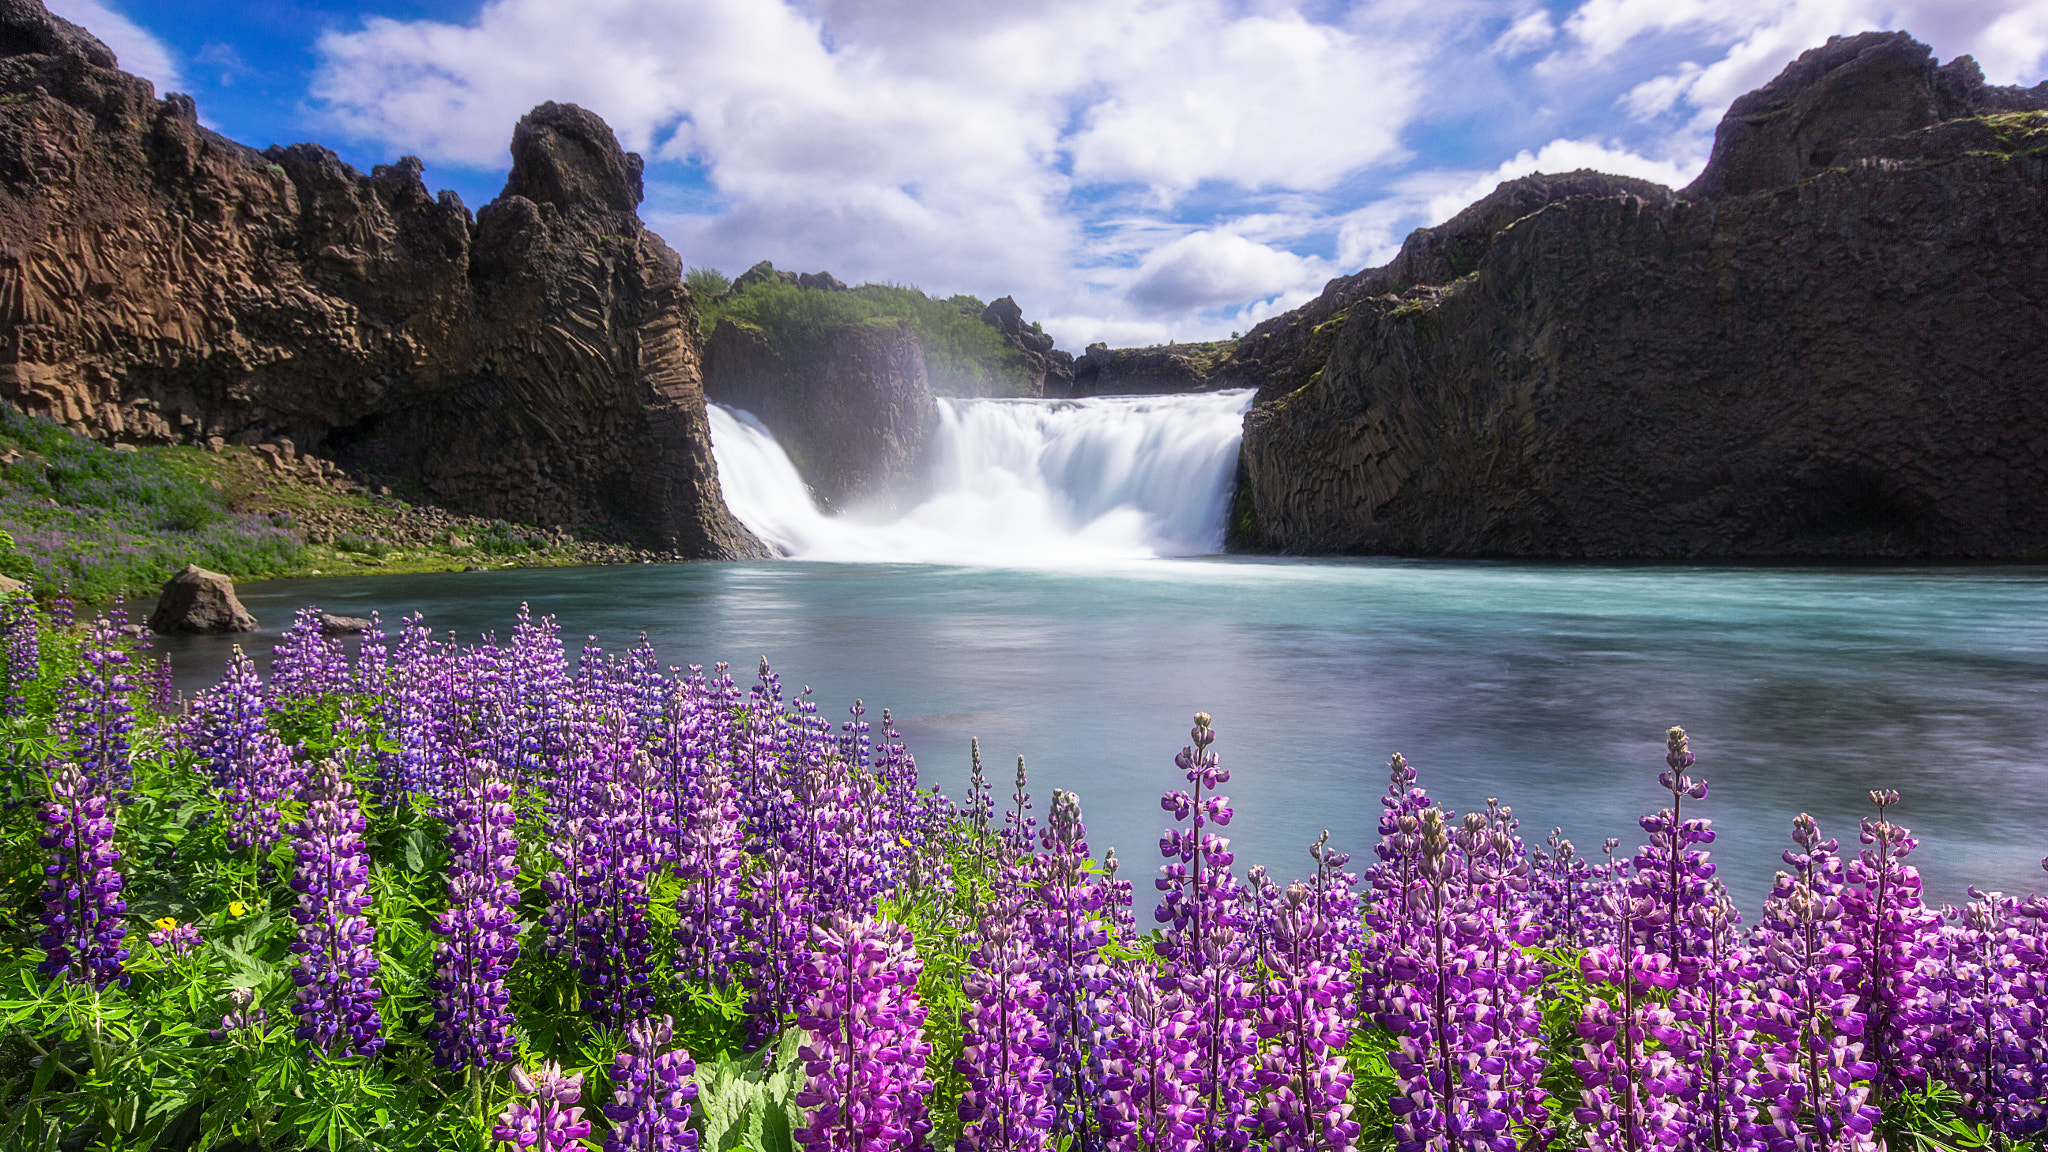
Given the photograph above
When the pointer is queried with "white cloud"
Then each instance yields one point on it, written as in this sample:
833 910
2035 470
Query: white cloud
1259 102
138 51
1215 267
1129 169
1527 34
1755 39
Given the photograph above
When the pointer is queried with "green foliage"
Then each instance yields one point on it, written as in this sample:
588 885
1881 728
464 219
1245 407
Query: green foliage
745 1104
706 283
961 353
103 523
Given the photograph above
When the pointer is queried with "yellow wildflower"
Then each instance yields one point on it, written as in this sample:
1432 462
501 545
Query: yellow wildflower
236 908
167 923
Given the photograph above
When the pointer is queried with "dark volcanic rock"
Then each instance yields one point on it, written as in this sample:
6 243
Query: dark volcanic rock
1049 370
852 406
1168 368
196 600
1833 345
159 282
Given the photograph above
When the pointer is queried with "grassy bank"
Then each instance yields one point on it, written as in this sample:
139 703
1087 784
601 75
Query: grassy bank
101 522
962 354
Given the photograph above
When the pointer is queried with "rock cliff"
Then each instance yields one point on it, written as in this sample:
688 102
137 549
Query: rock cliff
1831 344
160 283
853 407
1161 370
1048 371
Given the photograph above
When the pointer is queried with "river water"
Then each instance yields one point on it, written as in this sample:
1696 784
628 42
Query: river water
1076 639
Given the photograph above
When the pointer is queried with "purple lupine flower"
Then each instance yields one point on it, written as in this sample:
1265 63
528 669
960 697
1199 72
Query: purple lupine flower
1151 1101
865 1051
23 638
981 801
1119 897
265 781
473 1025
1566 890
708 910
651 1092
1019 825
227 720
82 905
1811 1080
1203 943
1892 929
1007 1106
336 974
1450 985
1068 923
245 1016
1634 1095
63 613
97 715
543 1117
175 938
598 915
1307 1009
1986 1017
307 663
1680 912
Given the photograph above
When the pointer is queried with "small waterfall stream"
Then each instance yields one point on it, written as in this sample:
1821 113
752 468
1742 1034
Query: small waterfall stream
1031 482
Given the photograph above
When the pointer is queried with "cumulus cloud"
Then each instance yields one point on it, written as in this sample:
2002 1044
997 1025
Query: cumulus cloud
1216 267
1129 169
138 50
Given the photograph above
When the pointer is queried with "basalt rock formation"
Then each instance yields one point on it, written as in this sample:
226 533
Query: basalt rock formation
1831 344
1050 372
853 407
161 283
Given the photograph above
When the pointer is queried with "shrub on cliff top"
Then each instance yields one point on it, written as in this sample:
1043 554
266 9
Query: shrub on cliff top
962 354
101 523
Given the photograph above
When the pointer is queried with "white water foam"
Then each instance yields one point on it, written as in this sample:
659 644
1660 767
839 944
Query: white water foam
1015 482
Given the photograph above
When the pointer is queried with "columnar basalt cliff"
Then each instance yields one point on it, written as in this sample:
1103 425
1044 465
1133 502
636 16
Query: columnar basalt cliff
161 283
854 409
1831 344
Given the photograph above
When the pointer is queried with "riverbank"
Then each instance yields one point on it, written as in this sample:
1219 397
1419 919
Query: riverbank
99 521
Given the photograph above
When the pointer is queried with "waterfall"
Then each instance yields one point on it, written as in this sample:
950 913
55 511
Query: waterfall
1032 482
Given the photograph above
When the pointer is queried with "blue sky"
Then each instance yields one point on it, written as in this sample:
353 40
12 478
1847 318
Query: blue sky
1131 170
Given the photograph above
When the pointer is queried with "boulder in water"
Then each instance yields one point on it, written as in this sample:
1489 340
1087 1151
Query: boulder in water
196 600
334 625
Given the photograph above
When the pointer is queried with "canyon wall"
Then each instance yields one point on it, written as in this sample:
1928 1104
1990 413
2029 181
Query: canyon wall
159 283
1834 343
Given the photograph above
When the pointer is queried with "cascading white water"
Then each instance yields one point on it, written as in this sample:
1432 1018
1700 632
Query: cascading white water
1035 482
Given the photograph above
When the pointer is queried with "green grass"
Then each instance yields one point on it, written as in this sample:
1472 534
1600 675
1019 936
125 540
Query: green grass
959 350
98 523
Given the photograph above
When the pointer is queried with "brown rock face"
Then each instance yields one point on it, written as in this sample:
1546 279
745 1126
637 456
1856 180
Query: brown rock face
1832 346
196 600
161 283
852 407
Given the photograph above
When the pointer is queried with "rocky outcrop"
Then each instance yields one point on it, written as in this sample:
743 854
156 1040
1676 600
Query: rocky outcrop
1830 345
766 272
1048 371
196 600
160 283
1167 368
851 404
